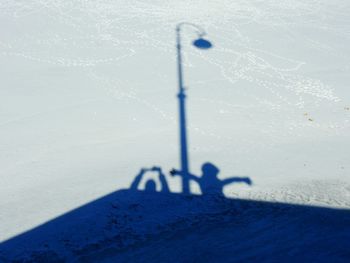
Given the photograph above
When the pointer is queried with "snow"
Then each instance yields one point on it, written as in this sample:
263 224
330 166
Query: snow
88 97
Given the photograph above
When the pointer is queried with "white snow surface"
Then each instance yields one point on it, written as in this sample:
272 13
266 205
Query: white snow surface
88 97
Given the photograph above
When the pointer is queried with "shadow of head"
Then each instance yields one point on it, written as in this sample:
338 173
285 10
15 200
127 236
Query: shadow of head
210 169
150 186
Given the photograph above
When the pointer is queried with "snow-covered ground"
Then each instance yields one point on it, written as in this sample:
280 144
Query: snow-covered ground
88 97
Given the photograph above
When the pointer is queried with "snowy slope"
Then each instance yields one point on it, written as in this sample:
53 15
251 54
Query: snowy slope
88 97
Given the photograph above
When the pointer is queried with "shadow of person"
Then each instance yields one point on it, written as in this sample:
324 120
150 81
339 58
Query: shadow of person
209 182
150 185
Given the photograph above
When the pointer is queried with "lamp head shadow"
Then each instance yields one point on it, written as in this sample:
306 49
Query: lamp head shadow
202 43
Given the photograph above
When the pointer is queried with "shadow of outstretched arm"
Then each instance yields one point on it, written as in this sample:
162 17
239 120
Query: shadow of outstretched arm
237 180
164 183
135 184
162 179
190 176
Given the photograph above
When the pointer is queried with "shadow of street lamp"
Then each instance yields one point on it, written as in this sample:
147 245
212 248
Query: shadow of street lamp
200 43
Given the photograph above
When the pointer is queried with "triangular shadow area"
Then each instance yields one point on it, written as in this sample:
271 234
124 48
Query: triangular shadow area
137 226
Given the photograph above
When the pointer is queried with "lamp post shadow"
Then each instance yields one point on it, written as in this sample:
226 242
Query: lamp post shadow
184 160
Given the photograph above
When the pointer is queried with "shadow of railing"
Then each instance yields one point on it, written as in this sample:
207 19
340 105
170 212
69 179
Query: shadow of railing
144 226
